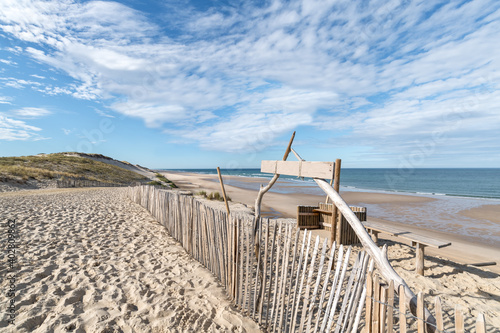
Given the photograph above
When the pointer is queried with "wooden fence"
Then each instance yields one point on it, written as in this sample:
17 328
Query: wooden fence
66 183
386 312
292 285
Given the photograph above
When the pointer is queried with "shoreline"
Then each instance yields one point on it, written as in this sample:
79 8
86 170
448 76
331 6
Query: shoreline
464 249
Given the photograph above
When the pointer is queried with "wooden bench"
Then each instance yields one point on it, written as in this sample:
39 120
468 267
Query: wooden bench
418 241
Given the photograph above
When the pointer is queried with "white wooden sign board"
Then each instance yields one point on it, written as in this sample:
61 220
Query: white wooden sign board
300 169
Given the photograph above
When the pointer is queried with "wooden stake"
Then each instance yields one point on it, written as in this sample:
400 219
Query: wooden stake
336 186
223 193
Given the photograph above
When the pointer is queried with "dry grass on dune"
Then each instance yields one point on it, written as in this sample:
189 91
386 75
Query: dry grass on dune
56 166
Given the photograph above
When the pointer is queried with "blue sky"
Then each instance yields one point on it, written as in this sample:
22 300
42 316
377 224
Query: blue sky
199 84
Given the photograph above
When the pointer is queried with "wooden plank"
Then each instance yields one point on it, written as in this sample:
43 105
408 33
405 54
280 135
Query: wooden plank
332 309
390 308
291 283
285 280
299 267
386 229
271 263
420 313
308 285
427 241
402 309
459 319
439 314
361 304
304 271
480 324
350 317
369 302
277 280
376 304
316 285
383 309
322 211
325 286
299 168
348 292
264 274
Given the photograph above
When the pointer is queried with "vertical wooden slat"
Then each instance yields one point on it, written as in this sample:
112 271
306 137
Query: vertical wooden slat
369 302
308 285
293 281
376 305
420 313
390 307
316 285
325 286
284 282
331 309
276 280
299 294
357 289
480 323
383 309
264 273
439 314
459 319
402 309
271 263
295 289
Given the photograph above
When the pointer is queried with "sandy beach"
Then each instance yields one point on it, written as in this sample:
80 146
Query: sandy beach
90 260
448 273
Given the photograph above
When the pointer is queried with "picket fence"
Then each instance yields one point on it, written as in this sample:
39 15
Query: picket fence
67 183
292 284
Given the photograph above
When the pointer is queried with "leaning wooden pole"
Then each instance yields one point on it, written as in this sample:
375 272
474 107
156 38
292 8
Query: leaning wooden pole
256 221
223 193
335 232
262 191
380 257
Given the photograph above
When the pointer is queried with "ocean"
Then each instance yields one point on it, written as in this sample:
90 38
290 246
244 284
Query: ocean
472 183
454 189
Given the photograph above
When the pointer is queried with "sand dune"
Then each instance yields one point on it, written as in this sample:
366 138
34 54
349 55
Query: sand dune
92 261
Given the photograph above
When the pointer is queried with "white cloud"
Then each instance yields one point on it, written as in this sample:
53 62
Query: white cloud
11 129
8 62
31 112
382 73
5 100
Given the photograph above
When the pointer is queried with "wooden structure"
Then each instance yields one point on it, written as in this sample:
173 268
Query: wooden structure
418 241
294 284
321 216
67 183
382 309
378 255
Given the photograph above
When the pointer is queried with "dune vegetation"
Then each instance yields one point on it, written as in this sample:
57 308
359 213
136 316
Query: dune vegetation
61 166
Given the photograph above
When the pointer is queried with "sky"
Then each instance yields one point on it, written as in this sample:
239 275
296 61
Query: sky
200 84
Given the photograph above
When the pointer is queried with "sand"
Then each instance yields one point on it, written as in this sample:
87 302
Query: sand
90 260
448 273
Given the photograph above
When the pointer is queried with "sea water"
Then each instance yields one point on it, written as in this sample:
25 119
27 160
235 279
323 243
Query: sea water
454 189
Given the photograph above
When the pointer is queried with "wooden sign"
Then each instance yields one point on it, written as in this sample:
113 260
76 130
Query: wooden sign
300 169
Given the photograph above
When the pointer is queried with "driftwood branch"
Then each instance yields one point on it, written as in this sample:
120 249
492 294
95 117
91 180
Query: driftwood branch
260 195
257 217
379 256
